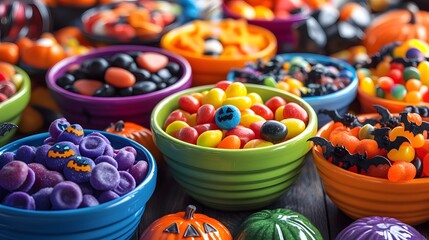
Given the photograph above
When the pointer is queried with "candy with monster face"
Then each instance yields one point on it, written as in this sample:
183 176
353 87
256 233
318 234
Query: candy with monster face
227 117
60 154
72 133
79 169
57 127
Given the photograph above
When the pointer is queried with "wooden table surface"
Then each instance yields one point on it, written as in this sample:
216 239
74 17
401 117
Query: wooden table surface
306 196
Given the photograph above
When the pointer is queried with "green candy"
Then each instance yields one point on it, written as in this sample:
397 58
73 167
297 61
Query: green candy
411 73
270 81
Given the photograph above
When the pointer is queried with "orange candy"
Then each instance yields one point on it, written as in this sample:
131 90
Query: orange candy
230 142
152 61
401 171
119 77
86 86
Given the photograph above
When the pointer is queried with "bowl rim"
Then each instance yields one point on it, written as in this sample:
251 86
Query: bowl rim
151 176
385 101
351 88
319 159
187 27
179 20
292 19
22 91
61 67
310 128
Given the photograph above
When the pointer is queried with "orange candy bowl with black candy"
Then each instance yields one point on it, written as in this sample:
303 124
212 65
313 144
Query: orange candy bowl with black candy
366 192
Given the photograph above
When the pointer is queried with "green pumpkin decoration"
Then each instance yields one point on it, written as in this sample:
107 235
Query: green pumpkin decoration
277 224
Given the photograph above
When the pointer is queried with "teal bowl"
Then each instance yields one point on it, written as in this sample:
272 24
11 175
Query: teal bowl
233 180
116 219
339 100
11 109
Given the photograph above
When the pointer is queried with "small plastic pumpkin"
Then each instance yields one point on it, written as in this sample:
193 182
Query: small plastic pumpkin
42 53
186 225
379 228
279 223
137 133
396 25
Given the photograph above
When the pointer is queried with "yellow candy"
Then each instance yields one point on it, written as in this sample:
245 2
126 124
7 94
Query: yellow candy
255 98
236 89
294 83
423 68
248 119
257 143
240 102
278 115
367 86
294 126
210 138
192 119
283 86
214 96
175 126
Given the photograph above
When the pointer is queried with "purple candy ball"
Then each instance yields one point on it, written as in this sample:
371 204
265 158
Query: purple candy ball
42 198
107 196
109 151
73 133
88 201
79 169
92 146
66 195
6 157
29 181
107 159
139 171
57 127
125 159
51 179
98 134
13 175
20 200
25 153
42 154
379 228
59 155
104 177
126 183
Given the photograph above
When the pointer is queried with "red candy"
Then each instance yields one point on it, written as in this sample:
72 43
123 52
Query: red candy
275 102
206 114
245 134
119 77
293 110
189 103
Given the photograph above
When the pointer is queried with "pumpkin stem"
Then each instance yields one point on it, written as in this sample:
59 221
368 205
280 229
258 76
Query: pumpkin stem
189 212
119 126
412 9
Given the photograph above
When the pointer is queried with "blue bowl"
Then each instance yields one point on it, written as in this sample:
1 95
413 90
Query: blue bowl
339 100
116 219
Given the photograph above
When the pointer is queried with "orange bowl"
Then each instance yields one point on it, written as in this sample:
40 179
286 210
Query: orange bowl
208 69
361 196
367 102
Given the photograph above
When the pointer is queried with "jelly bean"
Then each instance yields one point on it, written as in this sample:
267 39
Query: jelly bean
417 162
189 103
188 134
247 111
192 120
398 91
206 126
401 171
275 102
413 97
379 92
257 143
273 131
383 68
119 77
294 83
294 126
404 153
270 81
214 97
255 98
413 85
20 200
278 114
245 134
256 128
367 86
363 72
411 73
414 54
230 142
241 103
386 83
104 177
248 119
283 86
206 114
227 117
13 175
175 115
7 69
396 75
423 68
425 171
223 84
366 132
152 61
263 111
210 138
293 110
66 195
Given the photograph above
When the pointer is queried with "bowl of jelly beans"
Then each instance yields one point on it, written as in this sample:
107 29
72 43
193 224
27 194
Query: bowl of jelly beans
131 22
213 48
376 164
394 77
15 88
278 17
234 146
74 183
115 83
323 82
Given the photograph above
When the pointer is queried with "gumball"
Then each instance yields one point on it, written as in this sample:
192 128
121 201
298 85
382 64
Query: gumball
411 73
273 131
78 169
59 155
227 117
398 91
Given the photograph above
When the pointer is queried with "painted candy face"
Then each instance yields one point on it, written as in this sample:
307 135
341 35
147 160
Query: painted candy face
79 169
73 133
227 117
59 154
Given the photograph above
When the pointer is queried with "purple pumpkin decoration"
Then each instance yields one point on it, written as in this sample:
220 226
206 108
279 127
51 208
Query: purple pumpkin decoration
379 228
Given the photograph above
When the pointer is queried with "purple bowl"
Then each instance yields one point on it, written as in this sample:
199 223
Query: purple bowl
100 112
282 28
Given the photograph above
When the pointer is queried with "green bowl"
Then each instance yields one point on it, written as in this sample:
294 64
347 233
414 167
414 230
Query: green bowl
11 109
233 180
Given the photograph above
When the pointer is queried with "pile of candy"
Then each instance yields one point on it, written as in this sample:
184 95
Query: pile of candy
69 171
227 116
302 77
400 72
10 81
227 38
392 147
120 75
131 20
266 10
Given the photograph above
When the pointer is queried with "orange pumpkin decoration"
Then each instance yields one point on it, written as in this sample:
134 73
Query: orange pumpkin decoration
9 52
397 25
42 53
186 225
137 133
